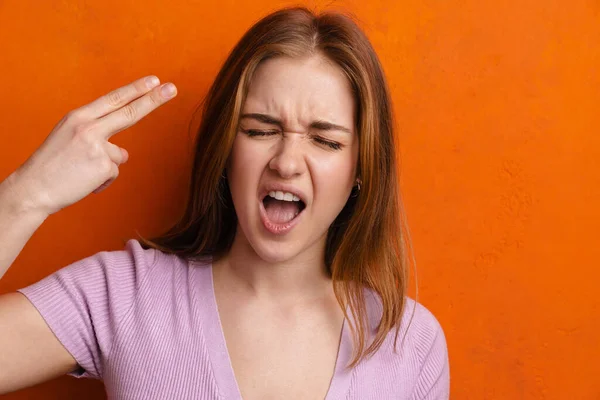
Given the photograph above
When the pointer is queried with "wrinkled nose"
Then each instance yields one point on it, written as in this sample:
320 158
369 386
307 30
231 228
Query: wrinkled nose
288 160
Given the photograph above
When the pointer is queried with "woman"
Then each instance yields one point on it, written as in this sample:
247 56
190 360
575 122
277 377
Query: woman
285 278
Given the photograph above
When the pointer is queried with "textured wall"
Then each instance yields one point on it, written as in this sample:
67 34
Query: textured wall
497 107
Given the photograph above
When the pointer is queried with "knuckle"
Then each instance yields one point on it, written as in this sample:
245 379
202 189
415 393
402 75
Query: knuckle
73 115
156 99
95 152
114 98
72 118
130 113
82 131
106 166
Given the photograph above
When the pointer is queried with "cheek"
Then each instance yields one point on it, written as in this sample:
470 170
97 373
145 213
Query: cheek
333 178
246 163
239 154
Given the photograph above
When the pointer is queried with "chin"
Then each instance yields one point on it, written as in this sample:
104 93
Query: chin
273 253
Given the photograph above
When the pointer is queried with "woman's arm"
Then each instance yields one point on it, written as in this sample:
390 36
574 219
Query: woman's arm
75 160
18 219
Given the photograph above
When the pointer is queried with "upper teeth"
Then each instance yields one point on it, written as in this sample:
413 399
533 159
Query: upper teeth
285 196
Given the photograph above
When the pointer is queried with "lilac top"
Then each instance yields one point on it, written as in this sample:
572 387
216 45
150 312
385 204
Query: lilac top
146 323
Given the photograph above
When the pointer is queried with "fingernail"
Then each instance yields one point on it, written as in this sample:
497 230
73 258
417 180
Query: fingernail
168 90
152 81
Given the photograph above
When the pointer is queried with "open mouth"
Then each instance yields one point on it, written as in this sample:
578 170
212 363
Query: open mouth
281 210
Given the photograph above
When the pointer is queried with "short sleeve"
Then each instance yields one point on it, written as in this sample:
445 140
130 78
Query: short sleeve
84 302
433 381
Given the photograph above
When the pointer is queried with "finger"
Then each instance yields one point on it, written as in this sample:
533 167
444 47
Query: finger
130 114
117 154
119 97
114 175
103 186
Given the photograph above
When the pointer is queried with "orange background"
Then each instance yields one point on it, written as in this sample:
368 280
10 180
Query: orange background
497 107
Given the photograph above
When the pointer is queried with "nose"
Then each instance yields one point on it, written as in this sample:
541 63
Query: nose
288 160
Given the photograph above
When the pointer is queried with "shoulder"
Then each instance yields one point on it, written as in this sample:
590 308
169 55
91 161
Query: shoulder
107 282
420 336
108 268
417 351
419 323
426 346
84 302
140 261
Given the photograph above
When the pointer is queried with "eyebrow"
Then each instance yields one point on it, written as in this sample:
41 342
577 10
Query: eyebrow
319 124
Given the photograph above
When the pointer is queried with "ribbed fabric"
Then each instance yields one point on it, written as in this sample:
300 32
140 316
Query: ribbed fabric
146 323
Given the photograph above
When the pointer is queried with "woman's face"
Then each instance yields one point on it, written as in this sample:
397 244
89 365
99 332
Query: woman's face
296 136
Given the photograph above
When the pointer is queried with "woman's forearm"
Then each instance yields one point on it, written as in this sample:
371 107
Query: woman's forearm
18 221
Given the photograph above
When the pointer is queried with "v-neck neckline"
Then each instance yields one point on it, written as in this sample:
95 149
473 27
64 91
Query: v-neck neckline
219 354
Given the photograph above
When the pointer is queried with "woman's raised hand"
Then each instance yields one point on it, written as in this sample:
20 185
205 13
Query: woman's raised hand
77 158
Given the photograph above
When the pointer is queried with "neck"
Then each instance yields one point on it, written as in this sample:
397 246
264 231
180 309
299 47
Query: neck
302 278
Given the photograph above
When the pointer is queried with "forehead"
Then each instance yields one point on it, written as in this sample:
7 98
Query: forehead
300 90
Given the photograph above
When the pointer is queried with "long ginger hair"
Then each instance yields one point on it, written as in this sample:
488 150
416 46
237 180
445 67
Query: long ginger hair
368 243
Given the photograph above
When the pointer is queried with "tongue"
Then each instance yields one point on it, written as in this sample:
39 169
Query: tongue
280 211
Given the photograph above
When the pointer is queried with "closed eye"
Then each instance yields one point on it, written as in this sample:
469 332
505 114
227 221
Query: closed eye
333 145
254 132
